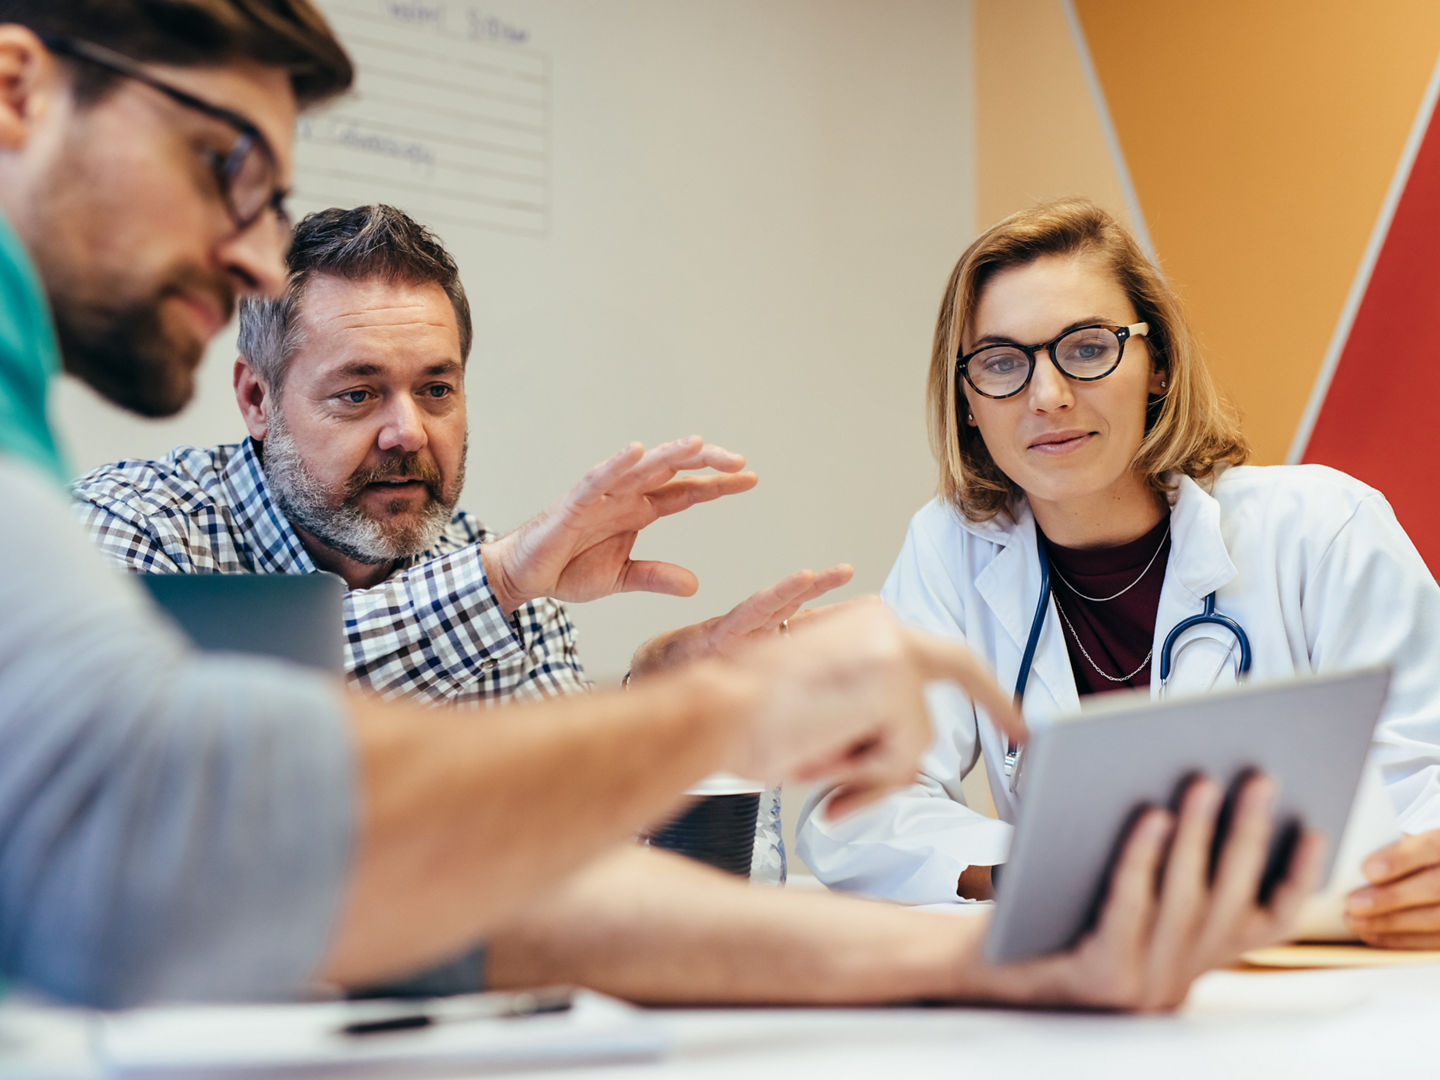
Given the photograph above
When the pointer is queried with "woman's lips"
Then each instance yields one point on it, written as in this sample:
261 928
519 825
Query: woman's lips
1060 442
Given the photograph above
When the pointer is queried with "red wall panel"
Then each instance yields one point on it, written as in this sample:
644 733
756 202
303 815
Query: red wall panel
1378 421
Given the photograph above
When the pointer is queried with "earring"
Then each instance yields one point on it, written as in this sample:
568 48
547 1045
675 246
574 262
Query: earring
970 418
1164 384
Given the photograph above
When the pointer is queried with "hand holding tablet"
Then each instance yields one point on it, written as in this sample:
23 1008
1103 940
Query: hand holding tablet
1166 915
1093 781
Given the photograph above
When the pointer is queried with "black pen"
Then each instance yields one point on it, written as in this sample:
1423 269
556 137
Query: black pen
493 1006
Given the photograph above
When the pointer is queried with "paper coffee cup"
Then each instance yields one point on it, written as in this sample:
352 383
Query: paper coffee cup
718 825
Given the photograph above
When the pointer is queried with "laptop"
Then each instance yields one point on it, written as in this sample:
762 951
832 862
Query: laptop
294 617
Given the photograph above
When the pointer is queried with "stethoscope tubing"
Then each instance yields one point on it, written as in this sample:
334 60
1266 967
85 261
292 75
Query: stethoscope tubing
1213 617
1167 649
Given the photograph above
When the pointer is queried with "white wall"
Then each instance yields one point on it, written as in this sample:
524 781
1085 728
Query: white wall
751 209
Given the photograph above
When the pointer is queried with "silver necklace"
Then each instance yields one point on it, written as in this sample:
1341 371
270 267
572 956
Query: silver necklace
1127 588
1098 669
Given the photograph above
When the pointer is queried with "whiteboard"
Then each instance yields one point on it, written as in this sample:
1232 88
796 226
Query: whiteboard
730 217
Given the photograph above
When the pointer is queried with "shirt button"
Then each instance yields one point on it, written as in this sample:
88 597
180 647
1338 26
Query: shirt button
488 665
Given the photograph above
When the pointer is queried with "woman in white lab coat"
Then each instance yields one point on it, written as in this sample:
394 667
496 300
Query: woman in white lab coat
1069 406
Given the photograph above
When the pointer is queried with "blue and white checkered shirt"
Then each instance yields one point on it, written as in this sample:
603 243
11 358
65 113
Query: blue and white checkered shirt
431 631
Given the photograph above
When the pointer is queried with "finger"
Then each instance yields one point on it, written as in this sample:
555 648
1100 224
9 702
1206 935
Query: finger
1418 890
1402 941
1413 920
657 577
941 659
812 772
1188 863
825 581
1302 877
833 577
1130 904
810 616
685 491
661 464
762 610
1404 857
602 477
789 616
828 580
879 762
653 465
859 786
694 453
1242 859
851 798
781 602
1185 886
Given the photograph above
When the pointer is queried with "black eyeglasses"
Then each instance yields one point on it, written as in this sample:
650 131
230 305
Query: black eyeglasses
245 173
1083 353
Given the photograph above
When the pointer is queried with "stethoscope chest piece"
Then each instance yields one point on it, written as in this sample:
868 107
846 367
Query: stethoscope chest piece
1208 616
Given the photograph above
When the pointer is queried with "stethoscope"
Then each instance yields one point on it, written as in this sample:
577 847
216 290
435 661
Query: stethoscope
1208 615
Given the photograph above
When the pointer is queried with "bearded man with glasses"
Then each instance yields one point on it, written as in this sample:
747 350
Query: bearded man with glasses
135 323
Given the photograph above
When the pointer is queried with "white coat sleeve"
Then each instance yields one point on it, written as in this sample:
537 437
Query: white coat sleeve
913 845
1373 600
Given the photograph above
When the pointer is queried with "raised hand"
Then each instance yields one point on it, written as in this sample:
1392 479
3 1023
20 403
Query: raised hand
579 549
842 700
759 615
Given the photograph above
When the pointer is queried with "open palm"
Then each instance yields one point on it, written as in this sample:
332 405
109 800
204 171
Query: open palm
580 549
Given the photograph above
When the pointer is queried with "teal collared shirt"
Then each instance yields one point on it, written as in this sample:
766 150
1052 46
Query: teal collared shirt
29 361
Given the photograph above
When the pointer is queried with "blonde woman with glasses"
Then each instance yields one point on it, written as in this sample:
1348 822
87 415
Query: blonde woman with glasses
1096 529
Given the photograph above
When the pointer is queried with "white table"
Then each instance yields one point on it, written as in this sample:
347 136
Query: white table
1286 1024
1292 1025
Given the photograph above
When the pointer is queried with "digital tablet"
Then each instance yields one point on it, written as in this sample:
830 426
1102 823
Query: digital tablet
1084 780
295 617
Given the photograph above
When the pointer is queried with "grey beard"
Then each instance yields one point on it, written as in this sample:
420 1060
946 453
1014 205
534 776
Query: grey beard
336 521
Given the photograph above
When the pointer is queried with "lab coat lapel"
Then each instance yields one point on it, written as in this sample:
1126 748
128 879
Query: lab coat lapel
1010 587
1199 565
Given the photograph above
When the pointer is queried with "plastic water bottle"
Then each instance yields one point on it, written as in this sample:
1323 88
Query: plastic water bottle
767 866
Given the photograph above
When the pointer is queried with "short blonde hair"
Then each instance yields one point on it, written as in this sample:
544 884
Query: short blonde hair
1190 429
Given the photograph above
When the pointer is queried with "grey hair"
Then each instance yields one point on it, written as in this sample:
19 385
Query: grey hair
362 244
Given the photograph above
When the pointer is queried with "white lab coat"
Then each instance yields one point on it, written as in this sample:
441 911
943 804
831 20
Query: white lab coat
1311 562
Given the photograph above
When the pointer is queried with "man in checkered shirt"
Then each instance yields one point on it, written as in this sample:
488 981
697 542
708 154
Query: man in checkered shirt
352 389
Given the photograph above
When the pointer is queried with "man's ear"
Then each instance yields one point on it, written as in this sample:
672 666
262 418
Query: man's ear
254 399
29 81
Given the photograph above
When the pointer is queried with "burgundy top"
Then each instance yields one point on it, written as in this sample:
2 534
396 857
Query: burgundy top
1116 633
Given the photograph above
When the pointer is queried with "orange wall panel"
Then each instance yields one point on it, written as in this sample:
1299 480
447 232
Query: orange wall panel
1261 140
1038 134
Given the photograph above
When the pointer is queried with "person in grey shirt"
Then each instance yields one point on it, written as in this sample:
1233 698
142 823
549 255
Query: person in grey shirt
177 827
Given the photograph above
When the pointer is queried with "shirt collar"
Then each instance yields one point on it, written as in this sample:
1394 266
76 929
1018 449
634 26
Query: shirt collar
277 547
1199 557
